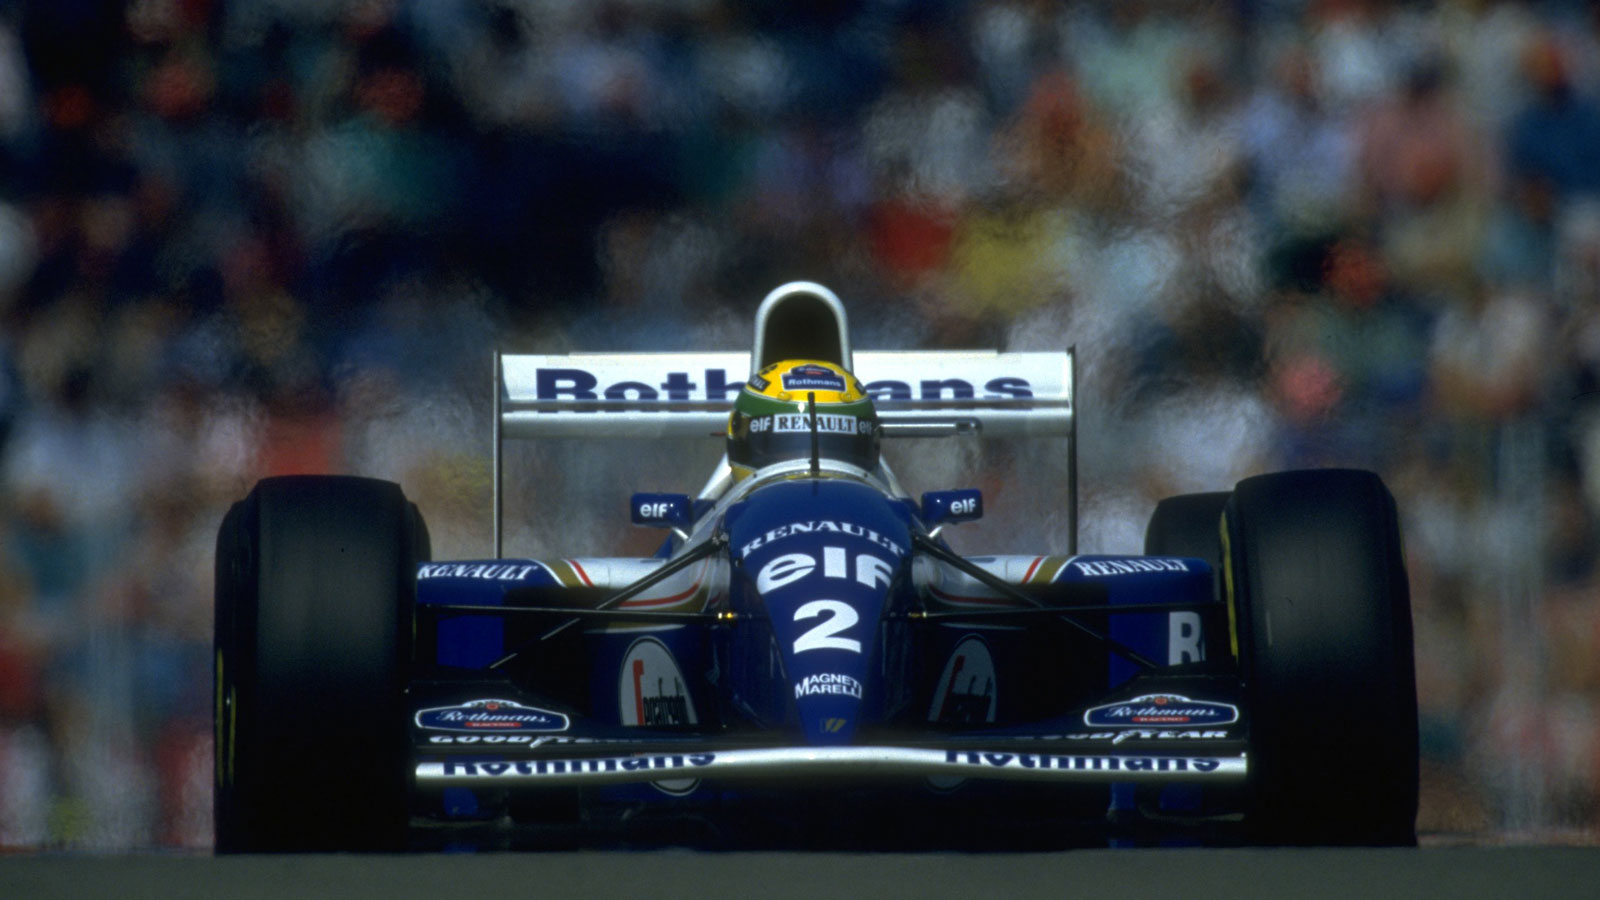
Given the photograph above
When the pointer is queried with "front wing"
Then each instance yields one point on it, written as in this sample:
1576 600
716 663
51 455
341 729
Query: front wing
847 762
1152 754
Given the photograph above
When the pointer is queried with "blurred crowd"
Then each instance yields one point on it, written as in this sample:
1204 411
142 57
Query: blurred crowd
249 237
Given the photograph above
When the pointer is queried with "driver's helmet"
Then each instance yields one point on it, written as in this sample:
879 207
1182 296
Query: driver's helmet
769 422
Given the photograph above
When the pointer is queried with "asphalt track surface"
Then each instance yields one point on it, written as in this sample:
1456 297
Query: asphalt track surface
1238 874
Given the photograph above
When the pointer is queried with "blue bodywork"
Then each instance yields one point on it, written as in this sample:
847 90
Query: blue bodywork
815 627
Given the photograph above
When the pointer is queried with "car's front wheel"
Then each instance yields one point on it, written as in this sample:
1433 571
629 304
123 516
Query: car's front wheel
1322 614
314 591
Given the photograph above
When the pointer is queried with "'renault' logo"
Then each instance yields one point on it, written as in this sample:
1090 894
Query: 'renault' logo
480 716
813 378
1161 709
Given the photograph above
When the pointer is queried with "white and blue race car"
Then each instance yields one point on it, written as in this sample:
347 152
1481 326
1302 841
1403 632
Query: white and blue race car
806 656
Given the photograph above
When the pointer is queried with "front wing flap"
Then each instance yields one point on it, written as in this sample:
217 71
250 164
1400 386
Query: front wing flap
579 764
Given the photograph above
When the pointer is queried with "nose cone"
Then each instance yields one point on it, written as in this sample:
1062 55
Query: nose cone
825 598
823 557
830 706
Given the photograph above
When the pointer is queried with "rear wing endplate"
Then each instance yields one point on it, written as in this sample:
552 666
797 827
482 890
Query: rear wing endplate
917 393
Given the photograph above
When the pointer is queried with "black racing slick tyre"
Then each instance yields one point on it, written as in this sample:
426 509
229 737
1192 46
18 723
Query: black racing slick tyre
1317 583
314 591
1188 525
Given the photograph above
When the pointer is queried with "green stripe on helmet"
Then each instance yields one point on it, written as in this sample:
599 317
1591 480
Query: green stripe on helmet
753 404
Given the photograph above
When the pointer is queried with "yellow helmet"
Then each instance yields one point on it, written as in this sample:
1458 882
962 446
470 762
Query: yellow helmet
769 422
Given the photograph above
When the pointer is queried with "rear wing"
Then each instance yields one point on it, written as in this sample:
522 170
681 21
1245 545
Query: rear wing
917 393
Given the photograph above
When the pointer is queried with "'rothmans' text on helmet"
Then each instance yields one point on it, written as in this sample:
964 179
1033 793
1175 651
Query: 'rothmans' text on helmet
769 422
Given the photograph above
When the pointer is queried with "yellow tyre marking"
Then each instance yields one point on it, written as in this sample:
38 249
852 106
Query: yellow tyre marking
219 764
1227 587
225 725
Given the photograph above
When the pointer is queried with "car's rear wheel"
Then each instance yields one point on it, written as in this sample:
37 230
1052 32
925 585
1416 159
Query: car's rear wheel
1314 571
314 591
1188 525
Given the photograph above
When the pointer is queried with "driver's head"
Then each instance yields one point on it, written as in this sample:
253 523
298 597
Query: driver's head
769 422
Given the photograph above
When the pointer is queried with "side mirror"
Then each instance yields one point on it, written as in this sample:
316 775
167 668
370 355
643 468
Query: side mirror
942 507
662 510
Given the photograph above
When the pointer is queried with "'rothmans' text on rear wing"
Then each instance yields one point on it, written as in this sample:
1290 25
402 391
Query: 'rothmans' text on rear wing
917 393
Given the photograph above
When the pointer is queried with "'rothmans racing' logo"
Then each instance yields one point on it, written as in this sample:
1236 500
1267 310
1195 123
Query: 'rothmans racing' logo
1161 709
478 716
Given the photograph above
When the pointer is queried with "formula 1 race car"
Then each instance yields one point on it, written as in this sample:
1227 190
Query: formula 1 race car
806 661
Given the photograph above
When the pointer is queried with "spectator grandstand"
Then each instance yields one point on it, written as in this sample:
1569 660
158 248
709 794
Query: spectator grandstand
257 237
